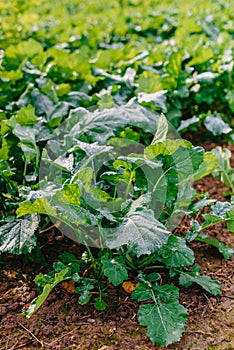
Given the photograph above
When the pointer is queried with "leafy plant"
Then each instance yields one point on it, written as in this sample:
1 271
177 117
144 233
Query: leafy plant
83 142
224 171
130 227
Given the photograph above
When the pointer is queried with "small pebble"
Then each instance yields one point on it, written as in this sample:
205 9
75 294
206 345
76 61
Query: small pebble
90 320
3 310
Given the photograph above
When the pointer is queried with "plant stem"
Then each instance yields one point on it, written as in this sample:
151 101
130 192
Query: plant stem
156 267
129 184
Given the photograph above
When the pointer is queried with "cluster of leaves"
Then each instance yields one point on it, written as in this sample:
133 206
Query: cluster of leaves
126 205
82 141
171 58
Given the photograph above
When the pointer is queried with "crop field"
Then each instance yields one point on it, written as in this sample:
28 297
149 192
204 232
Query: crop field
116 174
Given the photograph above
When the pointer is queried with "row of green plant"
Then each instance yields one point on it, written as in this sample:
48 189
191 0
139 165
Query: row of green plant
84 143
126 206
172 58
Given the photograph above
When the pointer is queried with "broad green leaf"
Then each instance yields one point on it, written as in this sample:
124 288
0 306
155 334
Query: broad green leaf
208 165
216 125
210 285
96 156
187 161
39 206
170 81
141 231
161 130
85 291
17 237
168 147
26 116
186 124
115 270
149 82
27 136
220 212
180 160
221 209
164 317
100 304
211 219
70 260
224 171
69 194
175 253
92 195
100 125
43 105
200 204
37 302
201 55
74 214
128 77
158 98
25 49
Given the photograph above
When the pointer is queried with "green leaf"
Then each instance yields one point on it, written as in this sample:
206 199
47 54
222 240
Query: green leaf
106 101
180 161
161 130
186 124
208 165
100 125
94 197
27 136
230 220
200 204
69 193
149 82
141 231
221 208
43 105
17 237
115 270
164 318
158 98
39 206
187 161
176 253
224 171
70 260
220 212
216 125
100 304
170 81
226 251
211 219
26 116
85 291
25 49
37 302
210 285
168 147
201 55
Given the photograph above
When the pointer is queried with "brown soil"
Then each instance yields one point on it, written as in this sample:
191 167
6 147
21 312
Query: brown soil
61 323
